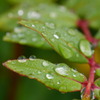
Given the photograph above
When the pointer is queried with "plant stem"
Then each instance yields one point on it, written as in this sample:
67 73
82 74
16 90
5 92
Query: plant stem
87 93
83 25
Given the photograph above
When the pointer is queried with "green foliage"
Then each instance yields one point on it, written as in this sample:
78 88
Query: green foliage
87 9
59 77
63 40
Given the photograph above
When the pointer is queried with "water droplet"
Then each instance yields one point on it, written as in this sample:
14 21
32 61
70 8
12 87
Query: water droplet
71 32
17 29
20 12
85 48
56 36
66 52
23 41
49 76
74 75
62 8
33 14
50 25
32 57
39 72
45 63
33 25
58 82
34 39
22 59
53 15
8 33
62 71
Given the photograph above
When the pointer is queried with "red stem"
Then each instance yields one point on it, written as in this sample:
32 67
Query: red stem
83 25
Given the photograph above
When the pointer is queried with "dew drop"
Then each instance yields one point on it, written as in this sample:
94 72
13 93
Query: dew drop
33 14
22 59
20 12
17 30
49 76
71 32
32 57
85 48
53 15
50 25
56 36
34 39
39 72
58 82
45 63
33 25
74 75
66 52
10 15
61 71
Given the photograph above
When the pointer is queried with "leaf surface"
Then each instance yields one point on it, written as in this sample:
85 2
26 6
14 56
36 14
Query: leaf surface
26 36
46 12
66 41
59 77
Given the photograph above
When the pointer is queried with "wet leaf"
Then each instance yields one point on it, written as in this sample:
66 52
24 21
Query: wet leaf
87 9
97 90
46 12
66 41
26 36
59 77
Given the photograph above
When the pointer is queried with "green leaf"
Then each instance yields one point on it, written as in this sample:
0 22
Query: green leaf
45 12
89 9
98 71
26 36
97 90
66 41
59 77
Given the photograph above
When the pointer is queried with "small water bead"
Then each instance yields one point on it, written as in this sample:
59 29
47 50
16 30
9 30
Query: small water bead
49 76
85 48
74 75
39 72
58 82
34 39
33 25
23 41
20 12
50 25
62 8
56 36
61 71
17 29
32 57
71 32
33 14
22 59
45 63
8 33
53 15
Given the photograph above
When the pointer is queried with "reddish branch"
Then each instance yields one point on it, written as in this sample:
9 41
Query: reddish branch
83 25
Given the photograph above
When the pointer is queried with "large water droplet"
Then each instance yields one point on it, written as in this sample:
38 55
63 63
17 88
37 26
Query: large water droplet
66 52
45 63
49 76
22 59
50 25
33 25
85 48
62 71
32 57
